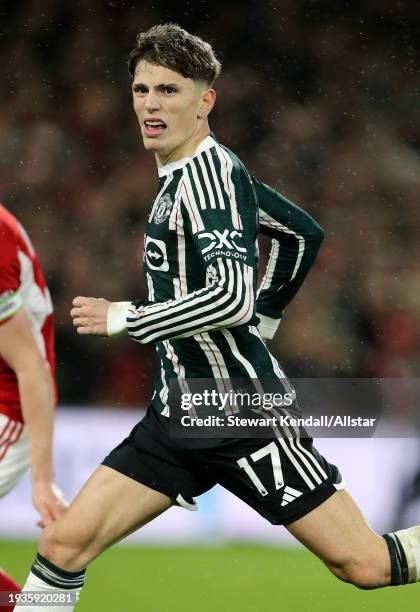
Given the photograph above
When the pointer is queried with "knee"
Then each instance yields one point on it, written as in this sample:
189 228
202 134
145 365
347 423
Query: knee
362 573
59 545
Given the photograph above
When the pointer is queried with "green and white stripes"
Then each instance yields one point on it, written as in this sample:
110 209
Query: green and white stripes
201 267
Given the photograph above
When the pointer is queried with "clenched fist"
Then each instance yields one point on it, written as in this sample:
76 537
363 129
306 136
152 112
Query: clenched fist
90 315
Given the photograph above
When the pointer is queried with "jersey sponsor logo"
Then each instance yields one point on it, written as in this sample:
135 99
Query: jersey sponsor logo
163 209
156 254
222 253
226 244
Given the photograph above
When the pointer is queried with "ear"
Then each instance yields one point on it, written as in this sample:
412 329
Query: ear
208 98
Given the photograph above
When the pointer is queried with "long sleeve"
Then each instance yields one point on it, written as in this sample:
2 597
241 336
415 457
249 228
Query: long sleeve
221 249
296 239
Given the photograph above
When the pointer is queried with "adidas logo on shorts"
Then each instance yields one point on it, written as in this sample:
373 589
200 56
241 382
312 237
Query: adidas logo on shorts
290 495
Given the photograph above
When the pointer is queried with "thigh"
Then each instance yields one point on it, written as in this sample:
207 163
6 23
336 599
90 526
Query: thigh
15 453
139 479
282 478
109 507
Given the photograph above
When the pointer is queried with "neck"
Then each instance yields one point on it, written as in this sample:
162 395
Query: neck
185 149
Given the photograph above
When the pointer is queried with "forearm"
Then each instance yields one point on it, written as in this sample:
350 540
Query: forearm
296 239
37 401
289 264
228 302
281 282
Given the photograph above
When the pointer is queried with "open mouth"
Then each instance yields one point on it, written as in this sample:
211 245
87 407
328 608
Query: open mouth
154 127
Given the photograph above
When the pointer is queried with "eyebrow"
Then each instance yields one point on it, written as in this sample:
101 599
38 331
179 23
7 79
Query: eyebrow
160 86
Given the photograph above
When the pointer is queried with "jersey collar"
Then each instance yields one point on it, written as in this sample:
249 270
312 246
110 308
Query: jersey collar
204 145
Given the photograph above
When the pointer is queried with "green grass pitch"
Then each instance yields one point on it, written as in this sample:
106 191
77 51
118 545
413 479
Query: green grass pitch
231 578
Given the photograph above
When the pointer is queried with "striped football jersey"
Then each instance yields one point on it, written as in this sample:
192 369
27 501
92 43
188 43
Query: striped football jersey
203 310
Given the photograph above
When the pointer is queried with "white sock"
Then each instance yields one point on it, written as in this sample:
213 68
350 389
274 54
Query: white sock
47 585
410 541
37 588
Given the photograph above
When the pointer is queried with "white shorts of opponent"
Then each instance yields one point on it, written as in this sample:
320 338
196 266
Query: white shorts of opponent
15 453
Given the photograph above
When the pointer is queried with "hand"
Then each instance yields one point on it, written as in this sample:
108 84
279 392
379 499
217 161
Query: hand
49 501
90 315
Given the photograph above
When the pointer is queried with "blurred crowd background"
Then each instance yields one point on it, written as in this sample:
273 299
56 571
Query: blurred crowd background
320 99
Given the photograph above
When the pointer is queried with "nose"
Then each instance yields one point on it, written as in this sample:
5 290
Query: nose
152 101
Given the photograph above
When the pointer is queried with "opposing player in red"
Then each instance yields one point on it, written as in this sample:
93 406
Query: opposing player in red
27 375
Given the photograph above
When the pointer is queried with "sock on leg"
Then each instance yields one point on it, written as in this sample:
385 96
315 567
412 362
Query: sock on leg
410 541
45 577
404 552
399 567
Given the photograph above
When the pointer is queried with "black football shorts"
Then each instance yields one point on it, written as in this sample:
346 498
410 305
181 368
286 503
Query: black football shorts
282 478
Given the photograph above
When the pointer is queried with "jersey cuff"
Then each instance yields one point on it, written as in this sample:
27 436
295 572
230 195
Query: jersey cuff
116 322
267 326
9 305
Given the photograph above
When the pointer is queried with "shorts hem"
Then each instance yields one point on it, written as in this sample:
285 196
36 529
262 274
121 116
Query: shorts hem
144 480
314 500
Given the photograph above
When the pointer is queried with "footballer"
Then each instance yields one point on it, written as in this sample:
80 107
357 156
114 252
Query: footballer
207 319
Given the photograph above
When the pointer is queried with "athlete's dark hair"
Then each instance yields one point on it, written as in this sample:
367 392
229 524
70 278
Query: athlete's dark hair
172 47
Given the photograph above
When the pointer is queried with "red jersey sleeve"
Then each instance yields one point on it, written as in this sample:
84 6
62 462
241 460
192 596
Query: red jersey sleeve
10 298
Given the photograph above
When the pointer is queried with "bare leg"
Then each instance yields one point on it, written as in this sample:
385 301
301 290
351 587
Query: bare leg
109 507
339 535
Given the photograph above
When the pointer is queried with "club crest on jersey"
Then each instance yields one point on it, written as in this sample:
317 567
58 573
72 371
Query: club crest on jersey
163 209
